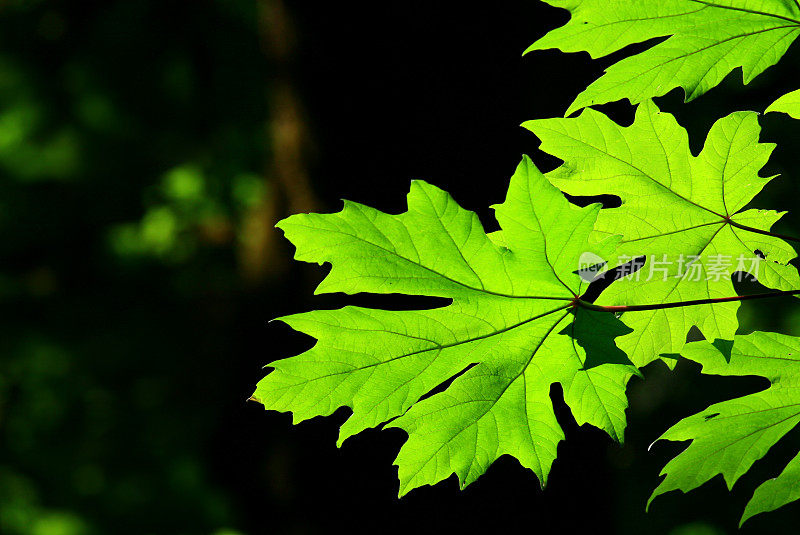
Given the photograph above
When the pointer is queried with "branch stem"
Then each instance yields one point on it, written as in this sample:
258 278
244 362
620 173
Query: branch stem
676 304
764 232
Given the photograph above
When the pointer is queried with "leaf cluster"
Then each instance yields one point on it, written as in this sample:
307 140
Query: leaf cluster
469 382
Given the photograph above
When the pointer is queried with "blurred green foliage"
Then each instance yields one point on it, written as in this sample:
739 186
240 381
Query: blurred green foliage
109 180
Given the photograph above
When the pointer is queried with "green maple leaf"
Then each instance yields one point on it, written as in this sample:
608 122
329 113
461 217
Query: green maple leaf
788 104
706 41
728 437
511 330
675 206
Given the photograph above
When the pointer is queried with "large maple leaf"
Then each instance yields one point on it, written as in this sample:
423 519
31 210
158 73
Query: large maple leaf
511 331
706 41
728 437
676 208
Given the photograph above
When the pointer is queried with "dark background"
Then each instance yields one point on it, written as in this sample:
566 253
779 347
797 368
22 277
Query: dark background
146 150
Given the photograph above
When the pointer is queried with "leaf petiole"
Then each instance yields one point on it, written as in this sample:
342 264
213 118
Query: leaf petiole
764 232
677 304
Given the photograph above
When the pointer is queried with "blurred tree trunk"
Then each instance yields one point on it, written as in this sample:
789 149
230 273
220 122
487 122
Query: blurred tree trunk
288 188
